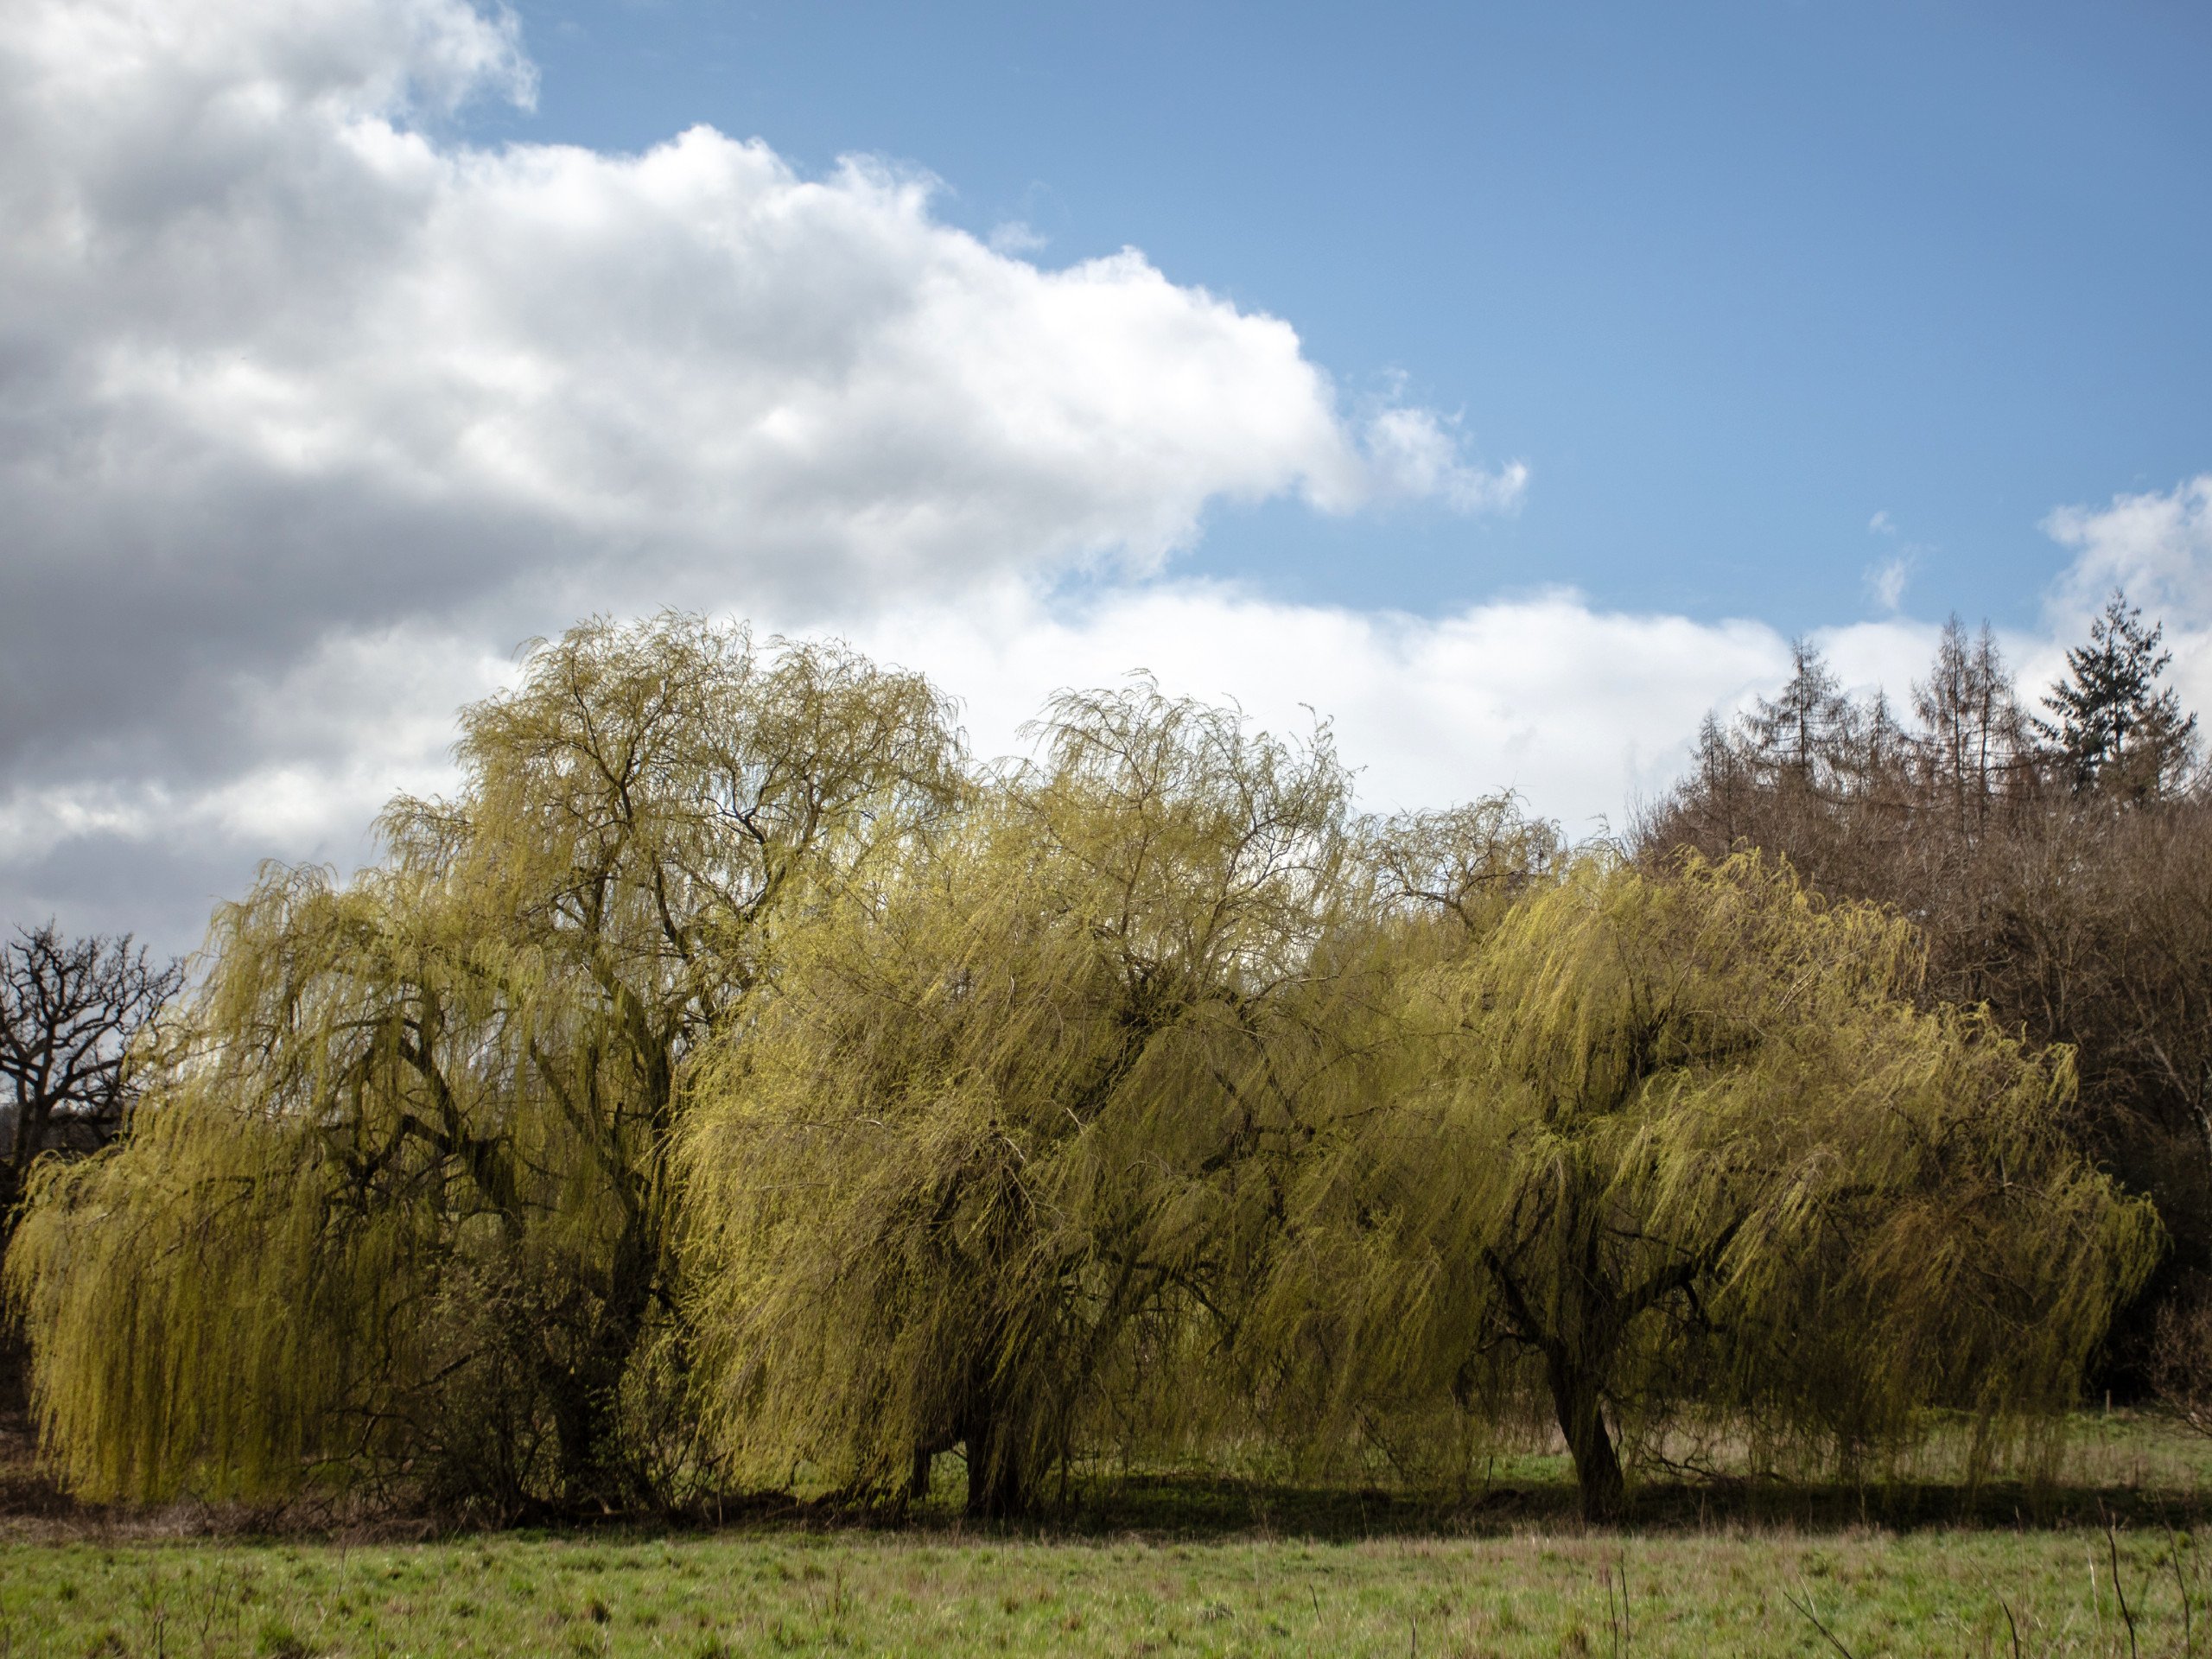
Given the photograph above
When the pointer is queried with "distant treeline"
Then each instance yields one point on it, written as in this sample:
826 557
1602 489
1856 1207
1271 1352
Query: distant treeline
736 1085
2055 855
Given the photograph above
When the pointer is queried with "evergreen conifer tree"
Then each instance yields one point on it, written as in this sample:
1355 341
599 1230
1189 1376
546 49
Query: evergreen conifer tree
2114 727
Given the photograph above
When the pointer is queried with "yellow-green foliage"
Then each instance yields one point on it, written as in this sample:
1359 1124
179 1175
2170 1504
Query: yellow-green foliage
729 1082
1029 1090
1660 1141
399 1199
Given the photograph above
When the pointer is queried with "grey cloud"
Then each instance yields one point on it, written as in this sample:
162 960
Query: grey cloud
284 375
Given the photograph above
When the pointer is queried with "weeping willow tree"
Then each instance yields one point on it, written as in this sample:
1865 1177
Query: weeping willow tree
1687 1141
399 1198
725 1082
991 1171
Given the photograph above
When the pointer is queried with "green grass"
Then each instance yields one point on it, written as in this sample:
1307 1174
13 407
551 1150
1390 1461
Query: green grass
1921 1593
1208 1569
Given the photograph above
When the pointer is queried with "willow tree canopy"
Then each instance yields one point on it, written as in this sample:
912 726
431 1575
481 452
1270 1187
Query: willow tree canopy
977 1175
1687 1139
399 1199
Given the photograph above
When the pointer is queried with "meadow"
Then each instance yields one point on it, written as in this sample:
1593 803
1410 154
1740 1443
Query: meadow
1158 1566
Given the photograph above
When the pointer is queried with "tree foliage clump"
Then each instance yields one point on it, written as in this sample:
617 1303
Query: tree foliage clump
2065 882
992 1167
1704 1154
399 1200
2114 728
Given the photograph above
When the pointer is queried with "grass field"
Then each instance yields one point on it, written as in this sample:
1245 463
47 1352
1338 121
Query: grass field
1205 1570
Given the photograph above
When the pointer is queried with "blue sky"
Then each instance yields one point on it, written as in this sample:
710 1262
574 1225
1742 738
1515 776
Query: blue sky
1731 278
1506 385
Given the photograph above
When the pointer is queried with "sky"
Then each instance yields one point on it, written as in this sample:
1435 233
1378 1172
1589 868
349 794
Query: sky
1507 383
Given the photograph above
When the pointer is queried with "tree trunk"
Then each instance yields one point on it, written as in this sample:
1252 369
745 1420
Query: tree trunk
996 1487
918 1475
587 1394
1582 1420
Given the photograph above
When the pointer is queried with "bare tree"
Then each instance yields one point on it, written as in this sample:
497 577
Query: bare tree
70 1010
1973 737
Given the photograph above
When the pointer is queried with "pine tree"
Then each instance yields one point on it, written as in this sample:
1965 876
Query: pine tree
2114 727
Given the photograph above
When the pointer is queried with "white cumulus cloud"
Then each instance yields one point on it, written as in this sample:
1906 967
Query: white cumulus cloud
2157 545
1578 708
278 363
